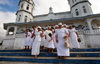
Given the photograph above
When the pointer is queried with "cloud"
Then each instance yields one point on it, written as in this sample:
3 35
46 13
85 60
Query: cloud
5 2
6 17
42 6
95 6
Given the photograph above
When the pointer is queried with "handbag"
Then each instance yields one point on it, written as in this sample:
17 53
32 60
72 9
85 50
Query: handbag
67 45
79 40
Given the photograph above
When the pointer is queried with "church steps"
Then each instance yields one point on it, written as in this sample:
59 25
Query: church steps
8 62
45 50
78 56
52 54
31 57
78 61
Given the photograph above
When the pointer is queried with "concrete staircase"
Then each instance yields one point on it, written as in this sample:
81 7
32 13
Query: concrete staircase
77 56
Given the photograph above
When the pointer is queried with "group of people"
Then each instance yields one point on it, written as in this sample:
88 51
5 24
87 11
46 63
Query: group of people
52 37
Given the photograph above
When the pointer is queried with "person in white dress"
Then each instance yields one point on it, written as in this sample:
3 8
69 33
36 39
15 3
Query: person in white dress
27 39
62 34
74 37
37 41
33 35
54 38
54 35
43 39
50 43
46 33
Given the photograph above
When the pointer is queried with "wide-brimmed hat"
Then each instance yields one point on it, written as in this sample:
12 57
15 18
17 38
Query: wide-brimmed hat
60 23
39 27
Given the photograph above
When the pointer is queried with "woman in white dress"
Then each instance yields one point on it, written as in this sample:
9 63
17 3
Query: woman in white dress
43 39
54 38
37 41
62 34
50 43
46 33
33 35
73 38
27 39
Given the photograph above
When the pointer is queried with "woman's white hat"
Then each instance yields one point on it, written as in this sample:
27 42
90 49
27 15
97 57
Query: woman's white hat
38 27
60 23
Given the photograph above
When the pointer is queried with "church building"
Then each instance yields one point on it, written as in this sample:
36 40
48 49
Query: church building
80 15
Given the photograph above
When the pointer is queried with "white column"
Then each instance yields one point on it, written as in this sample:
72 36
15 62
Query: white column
7 30
15 30
89 25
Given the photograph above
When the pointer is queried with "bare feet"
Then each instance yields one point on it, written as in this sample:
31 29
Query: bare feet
64 57
36 56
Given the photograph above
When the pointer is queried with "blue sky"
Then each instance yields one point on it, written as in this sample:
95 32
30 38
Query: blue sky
12 5
9 5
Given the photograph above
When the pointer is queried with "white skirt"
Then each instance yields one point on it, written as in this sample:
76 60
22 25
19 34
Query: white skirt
51 44
74 42
36 48
61 49
43 42
27 41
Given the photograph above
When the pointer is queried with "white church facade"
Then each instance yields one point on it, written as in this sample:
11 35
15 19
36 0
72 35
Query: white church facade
80 15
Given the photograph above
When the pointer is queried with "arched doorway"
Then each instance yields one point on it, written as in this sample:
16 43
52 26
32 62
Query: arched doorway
11 31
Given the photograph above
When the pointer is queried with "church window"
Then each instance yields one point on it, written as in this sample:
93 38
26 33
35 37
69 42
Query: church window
84 9
19 17
25 19
22 6
77 12
27 7
11 31
30 20
32 10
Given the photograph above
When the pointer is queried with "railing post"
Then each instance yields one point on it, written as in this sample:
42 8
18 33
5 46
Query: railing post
89 25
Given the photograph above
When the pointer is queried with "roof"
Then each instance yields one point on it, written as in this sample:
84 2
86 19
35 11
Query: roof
53 20
53 13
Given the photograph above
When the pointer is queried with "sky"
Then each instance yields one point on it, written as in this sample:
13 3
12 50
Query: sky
8 9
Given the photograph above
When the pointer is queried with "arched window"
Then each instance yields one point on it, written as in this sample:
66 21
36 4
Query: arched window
11 31
77 12
32 10
84 9
21 5
25 19
27 7
30 20
19 17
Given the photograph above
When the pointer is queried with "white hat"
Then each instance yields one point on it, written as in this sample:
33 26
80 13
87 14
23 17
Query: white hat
64 25
56 26
60 23
38 27
49 26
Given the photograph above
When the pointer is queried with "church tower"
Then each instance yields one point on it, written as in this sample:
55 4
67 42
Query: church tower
80 7
25 11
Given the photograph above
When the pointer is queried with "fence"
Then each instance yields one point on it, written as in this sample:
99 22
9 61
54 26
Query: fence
90 39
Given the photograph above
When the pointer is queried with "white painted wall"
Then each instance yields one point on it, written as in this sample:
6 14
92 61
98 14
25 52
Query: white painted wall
23 13
80 9
19 41
8 43
53 16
